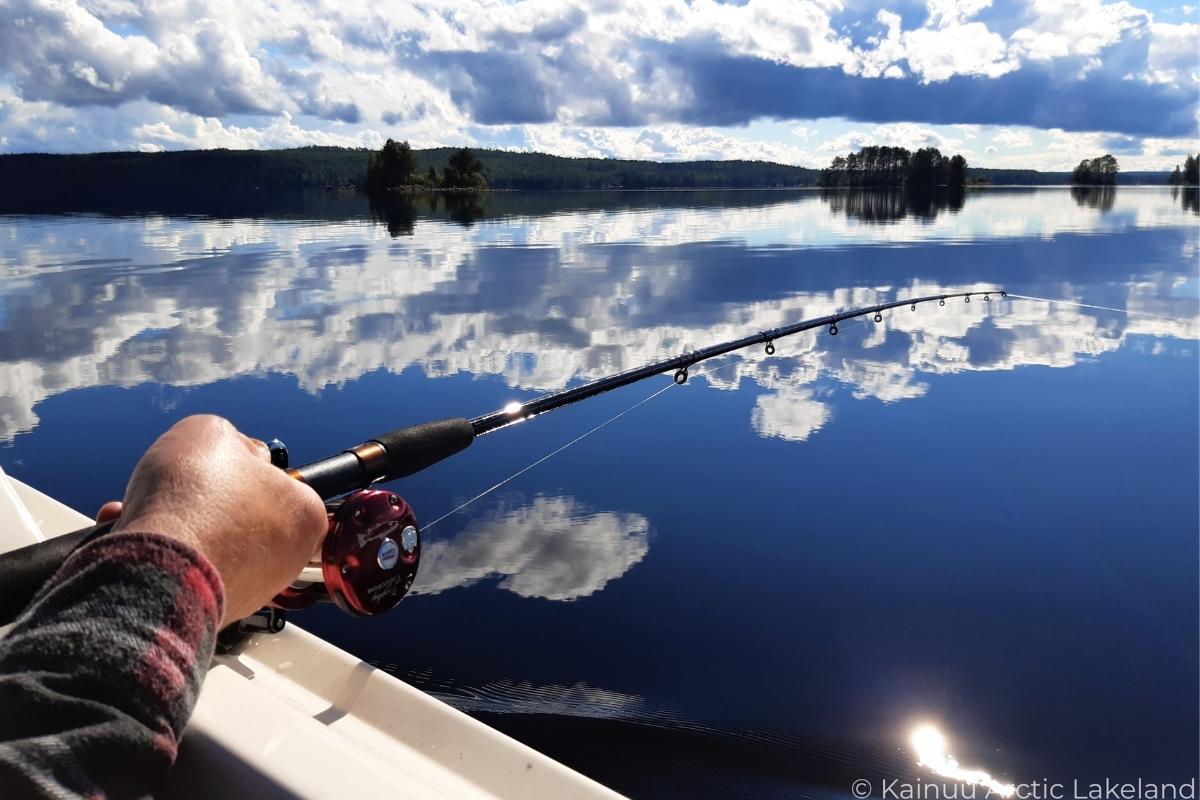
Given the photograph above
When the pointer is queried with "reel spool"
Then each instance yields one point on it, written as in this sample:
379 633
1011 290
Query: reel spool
368 559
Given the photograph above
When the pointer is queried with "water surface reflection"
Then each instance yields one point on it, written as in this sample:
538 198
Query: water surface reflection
544 301
892 206
551 547
761 578
1102 198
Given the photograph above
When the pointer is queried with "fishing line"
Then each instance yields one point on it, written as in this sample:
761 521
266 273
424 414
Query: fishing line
550 455
1102 308
576 440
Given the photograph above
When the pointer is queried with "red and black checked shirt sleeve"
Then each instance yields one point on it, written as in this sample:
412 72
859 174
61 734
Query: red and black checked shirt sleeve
99 675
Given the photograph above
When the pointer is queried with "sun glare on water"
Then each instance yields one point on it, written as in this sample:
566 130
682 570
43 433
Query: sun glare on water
930 747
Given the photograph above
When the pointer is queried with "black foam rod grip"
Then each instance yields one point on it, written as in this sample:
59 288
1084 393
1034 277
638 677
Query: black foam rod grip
410 450
27 569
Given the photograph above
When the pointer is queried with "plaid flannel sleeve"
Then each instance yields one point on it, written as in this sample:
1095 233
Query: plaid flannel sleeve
99 675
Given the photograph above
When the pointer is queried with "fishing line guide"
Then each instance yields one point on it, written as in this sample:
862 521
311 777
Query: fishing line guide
371 552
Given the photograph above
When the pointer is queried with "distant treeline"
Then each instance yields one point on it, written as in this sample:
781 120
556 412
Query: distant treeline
1032 177
37 182
34 182
896 168
508 170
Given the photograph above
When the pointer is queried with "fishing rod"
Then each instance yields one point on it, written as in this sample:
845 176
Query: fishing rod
369 556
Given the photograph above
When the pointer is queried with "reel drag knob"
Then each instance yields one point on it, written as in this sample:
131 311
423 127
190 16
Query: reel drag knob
370 555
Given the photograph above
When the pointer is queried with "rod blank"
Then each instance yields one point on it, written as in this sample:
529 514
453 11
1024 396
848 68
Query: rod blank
540 405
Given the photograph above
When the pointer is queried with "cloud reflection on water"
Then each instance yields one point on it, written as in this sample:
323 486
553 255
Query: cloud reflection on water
554 548
544 300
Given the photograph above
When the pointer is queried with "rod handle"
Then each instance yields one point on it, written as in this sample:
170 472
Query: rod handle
417 447
24 571
395 454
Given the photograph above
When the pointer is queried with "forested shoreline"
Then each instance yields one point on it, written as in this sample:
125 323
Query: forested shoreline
75 182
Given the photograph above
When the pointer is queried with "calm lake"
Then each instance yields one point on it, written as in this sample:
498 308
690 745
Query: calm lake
981 515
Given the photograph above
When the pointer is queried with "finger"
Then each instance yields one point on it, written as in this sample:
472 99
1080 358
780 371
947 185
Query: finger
302 501
109 511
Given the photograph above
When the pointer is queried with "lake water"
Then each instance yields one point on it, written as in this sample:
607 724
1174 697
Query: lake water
981 515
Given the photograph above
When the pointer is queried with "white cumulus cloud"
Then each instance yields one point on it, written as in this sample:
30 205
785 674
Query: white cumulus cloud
136 73
1007 137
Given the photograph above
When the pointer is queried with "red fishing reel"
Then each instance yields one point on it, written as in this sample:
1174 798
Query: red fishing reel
368 559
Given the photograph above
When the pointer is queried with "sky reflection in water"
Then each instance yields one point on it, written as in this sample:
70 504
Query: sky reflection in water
961 536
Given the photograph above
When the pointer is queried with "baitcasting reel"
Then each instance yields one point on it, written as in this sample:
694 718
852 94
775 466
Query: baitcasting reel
368 558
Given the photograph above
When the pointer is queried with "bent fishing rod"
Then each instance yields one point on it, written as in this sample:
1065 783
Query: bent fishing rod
369 556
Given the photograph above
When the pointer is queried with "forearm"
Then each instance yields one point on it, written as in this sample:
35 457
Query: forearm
99 676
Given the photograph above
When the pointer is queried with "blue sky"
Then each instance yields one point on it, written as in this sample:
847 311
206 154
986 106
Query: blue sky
1005 82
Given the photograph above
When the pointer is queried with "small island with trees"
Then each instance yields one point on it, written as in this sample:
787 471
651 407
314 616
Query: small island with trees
922 172
394 168
1100 171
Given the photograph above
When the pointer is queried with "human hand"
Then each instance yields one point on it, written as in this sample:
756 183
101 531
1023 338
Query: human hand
206 484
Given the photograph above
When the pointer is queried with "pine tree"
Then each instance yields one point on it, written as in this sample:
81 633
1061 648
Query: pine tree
392 167
463 171
1191 170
